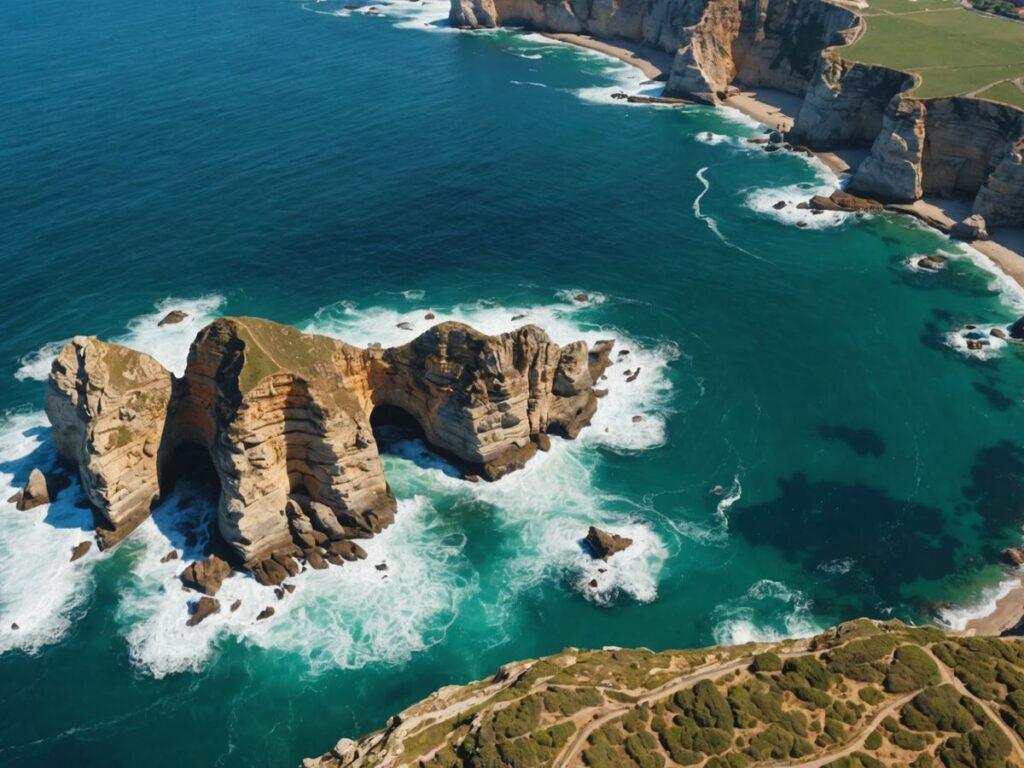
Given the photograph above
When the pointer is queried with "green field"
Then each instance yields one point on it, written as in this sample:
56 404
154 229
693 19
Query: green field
953 50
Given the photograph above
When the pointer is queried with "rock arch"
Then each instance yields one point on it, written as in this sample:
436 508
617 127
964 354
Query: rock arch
286 420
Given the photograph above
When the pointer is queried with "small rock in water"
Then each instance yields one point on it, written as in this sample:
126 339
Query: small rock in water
80 549
593 583
14 626
381 566
633 376
429 316
205 607
623 352
971 228
289 588
933 262
581 297
404 326
236 605
172 555
173 317
976 344
543 441
279 593
517 317
718 490
998 333
34 494
970 327
602 392
603 544
1013 556
779 205
637 419
206 575
802 224
266 613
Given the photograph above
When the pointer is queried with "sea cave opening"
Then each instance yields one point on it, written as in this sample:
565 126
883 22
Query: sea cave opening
189 497
399 433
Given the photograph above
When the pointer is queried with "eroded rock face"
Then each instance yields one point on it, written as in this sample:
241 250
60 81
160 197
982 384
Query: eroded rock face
285 419
108 407
965 147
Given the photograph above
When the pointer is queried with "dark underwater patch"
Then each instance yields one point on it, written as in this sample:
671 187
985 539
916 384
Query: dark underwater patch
862 441
995 398
891 541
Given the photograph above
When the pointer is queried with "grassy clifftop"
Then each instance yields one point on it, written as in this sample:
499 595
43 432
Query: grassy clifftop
954 51
862 695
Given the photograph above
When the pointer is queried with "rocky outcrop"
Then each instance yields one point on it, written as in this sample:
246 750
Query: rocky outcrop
285 418
603 544
108 407
35 493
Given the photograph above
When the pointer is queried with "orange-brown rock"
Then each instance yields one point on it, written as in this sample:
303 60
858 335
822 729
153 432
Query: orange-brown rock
285 419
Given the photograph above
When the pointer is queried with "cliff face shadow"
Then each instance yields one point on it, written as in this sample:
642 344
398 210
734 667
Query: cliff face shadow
887 541
68 508
187 511
862 441
398 433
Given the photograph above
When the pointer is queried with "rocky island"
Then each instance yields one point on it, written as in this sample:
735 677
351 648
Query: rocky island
286 420
862 695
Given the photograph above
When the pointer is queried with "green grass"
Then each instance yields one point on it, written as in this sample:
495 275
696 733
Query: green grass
1006 93
954 51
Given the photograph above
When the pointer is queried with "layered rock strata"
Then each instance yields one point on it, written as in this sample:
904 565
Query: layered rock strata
963 147
285 418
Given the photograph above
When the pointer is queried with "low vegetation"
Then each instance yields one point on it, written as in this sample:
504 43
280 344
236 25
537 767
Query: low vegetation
863 695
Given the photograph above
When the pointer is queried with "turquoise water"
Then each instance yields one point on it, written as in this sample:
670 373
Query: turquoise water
347 172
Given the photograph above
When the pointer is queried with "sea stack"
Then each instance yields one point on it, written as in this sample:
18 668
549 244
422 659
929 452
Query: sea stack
285 419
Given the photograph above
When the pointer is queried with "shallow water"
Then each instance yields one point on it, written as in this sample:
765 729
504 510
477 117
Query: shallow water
348 172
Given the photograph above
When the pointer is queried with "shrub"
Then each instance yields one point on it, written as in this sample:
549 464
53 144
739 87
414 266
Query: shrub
766 662
641 747
985 748
861 659
937 709
811 670
911 669
873 741
870 695
912 742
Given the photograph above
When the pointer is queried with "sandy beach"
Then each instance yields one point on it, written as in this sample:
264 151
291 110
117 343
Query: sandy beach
1008 613
777 109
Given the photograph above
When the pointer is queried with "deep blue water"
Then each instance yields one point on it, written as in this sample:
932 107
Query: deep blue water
346 172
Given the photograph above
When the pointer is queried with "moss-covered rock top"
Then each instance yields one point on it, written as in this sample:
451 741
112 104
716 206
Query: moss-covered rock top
862 695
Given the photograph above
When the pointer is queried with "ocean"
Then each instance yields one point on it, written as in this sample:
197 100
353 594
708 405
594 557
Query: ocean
809 438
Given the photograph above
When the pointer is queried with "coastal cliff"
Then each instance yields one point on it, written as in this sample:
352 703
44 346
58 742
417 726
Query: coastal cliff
946 147
863 695
285 418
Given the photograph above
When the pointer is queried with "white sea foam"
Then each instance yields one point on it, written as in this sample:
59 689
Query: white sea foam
548 527
1010 292
339 617
991 346
957 617
168 344
528 82
40 589
763 201
712 224
838 567
769 611
734 494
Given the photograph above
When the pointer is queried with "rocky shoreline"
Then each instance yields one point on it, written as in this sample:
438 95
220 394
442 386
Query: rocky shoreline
286 423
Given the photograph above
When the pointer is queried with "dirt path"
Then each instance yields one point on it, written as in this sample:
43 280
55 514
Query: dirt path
710 673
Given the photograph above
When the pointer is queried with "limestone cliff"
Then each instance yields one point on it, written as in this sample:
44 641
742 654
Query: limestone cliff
863 695
108 406
285 419
964 147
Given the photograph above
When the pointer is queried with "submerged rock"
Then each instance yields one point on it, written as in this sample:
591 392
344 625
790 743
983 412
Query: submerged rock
1017 329
34 494
603 544
933 262
204 608
80 550
173 317
206 575
1013 556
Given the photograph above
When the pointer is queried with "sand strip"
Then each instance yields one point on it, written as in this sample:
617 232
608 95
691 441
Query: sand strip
1008 613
